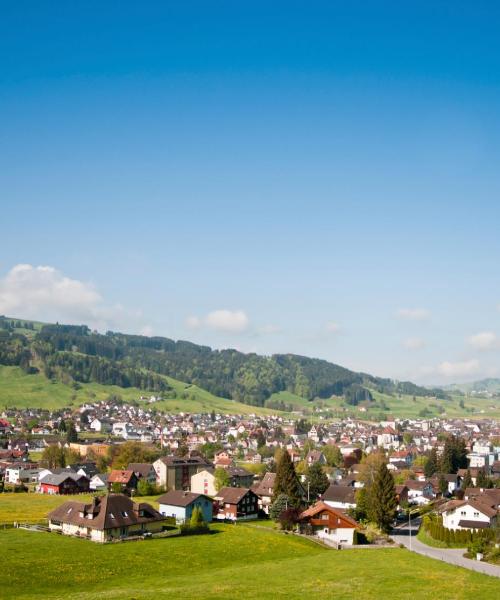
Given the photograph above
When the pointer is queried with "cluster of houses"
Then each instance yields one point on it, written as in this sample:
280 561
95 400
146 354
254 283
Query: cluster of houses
190 478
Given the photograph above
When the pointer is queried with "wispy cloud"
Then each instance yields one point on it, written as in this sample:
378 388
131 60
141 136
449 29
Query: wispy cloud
413 314
458 369
413 343
224 320
485 340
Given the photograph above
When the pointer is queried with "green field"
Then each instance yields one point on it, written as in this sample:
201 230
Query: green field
36 391
405 406
234 562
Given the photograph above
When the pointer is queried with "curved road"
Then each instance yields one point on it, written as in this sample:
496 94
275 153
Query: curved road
401 535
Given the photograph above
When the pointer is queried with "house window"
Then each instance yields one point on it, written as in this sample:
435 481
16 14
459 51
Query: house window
476 514
124 513
112 516
462 513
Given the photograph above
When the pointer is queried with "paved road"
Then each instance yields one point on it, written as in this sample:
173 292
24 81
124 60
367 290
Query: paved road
401 535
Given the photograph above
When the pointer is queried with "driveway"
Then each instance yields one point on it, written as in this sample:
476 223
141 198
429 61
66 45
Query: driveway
401 535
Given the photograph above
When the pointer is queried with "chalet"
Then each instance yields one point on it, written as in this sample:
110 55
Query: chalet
340 496
143 471
180 505
329 524
175 473
127 480
264 490
64 483
236 504
315 456
111 517
240 477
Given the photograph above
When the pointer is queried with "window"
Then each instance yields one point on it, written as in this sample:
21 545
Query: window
124 513
112 516
476 514
462 513
69 510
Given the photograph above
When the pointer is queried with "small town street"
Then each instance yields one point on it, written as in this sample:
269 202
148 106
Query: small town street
454 556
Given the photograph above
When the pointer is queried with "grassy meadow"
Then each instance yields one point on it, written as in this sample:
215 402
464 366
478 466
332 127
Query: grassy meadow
19 390
235 561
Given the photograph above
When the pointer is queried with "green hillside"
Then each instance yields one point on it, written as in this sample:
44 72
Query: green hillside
19 390
240 561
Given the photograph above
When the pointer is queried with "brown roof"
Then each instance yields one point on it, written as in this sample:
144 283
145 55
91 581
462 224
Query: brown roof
232 495
176 461
120 476
141 469
179 498
108 512
339 493
322 507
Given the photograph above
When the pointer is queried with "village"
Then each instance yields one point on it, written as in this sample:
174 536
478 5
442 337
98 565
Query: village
310 475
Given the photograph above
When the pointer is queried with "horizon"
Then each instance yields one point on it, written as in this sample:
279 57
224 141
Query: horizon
313 180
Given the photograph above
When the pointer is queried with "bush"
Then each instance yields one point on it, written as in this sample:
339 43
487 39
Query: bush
289 518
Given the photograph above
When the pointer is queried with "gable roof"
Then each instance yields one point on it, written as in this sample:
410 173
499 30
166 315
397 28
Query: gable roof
232 495
117 476
142 469
58 478
179 498
322 507
108 512
339 493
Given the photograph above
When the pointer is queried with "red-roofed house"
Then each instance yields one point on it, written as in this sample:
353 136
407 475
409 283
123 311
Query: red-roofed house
330 524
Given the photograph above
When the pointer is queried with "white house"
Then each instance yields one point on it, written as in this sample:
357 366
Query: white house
419 492
329 524
468 514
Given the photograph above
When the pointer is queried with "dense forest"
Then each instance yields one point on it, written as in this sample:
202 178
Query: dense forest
140 361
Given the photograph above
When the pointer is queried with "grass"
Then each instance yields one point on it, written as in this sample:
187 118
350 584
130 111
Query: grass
33 508
427 539
19 390
235 562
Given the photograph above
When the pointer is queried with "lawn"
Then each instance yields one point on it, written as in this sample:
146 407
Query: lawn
236 561
19 390
33 508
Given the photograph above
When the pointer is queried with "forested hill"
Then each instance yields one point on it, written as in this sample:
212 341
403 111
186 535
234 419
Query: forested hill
75 353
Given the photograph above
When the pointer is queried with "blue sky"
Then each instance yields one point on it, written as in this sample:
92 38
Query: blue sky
319 178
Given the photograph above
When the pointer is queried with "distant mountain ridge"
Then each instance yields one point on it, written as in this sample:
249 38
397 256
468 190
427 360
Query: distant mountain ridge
75 353
489 385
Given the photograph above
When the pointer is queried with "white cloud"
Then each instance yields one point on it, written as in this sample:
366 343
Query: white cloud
458 369
414 314
228 321
413 343
193 322
332 327
44 293
485 340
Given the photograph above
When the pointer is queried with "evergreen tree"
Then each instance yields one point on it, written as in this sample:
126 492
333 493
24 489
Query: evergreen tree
467 480
279 505
71 433
317 481
443 485
431 466
446 462
221 478
286 480
382 499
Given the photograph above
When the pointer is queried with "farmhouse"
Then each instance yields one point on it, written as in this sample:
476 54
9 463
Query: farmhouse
64 483
180 505
328 523
109 518
126 480
236 504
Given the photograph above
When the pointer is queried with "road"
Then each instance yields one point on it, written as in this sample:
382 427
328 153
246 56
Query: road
401 535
